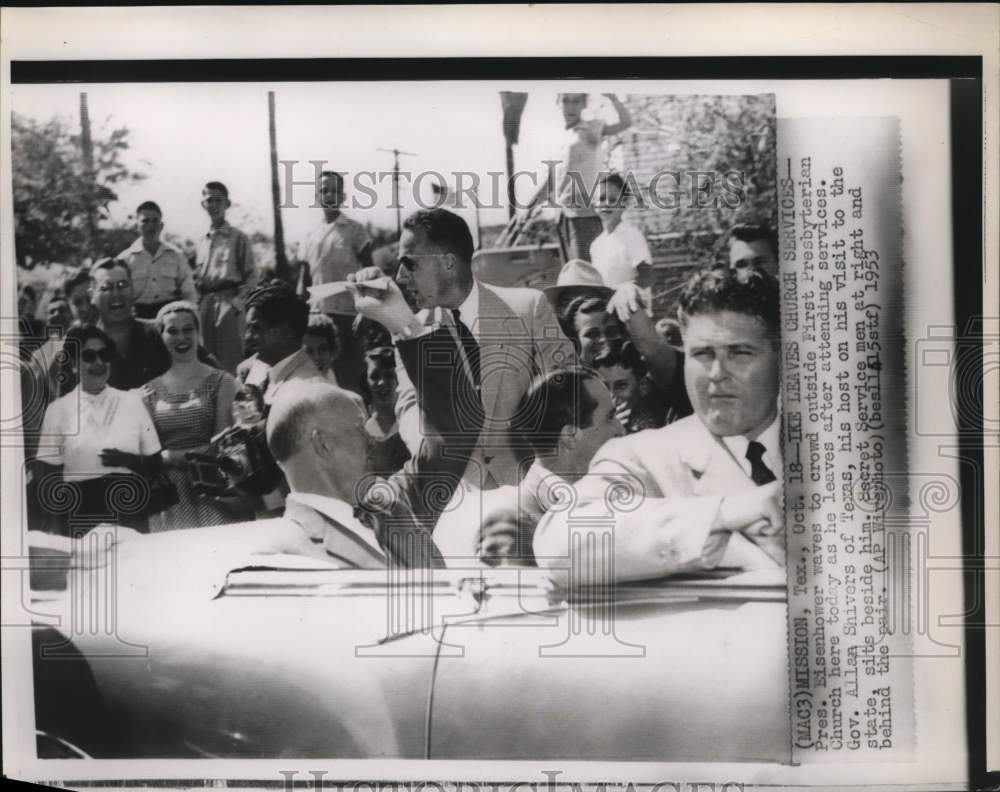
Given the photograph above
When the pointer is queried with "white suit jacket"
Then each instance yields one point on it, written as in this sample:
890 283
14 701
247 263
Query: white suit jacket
519 338
659 491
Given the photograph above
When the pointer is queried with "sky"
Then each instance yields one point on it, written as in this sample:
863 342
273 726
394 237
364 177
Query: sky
184 134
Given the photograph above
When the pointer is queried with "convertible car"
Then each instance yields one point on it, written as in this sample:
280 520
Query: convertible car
184 645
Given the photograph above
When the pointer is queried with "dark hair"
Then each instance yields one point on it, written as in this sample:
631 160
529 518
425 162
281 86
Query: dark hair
330 174
215 185
177 306
625 355
77 278
323 326
370 334
669 329
445 229
615 179
748 290
585 303
552 401
276 304
149 206
111 263
751 233
28 290
384 357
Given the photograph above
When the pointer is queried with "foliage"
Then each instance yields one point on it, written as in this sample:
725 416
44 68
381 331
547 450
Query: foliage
54 195
709 135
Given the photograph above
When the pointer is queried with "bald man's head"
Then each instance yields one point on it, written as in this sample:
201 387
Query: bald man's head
316 431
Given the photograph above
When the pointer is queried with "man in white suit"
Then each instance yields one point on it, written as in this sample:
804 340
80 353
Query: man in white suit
508 336
705 490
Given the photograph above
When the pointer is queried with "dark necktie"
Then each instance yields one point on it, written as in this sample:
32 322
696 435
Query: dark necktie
469 346
773 545
759 472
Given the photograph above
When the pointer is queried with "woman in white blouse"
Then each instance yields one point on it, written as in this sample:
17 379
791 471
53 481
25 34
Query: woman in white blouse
95 443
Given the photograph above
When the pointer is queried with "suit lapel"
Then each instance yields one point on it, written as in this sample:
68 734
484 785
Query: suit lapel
709 462
714 470
498 327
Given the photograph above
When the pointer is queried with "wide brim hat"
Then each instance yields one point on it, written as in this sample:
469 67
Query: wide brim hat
577 278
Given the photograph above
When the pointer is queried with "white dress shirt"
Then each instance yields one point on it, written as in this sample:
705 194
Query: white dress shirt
468 311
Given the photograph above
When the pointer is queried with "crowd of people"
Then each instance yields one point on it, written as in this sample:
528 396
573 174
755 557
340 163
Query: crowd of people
424 419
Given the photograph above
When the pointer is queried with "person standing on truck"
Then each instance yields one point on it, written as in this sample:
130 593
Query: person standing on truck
573 181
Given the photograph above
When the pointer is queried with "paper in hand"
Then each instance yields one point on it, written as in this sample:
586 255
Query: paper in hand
324 290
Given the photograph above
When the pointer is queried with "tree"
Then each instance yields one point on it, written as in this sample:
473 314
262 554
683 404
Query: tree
52 191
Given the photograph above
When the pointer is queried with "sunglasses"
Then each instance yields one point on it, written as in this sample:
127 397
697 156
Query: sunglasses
409 263
91 355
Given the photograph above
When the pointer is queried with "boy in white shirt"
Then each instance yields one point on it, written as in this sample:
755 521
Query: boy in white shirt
620 254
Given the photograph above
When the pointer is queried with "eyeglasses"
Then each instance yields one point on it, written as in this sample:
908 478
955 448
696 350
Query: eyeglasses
409 263
120 285
91 355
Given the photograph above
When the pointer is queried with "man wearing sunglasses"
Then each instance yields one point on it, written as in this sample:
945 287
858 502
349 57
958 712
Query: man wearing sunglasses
508 336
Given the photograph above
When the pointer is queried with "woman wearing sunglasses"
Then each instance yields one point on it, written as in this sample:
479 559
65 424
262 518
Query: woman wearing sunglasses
190 404
97 443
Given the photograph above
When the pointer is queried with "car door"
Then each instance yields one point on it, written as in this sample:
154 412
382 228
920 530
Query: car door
682 671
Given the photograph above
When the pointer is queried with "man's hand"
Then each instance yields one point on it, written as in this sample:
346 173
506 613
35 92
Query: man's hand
622 412
387 307
626 301
756 512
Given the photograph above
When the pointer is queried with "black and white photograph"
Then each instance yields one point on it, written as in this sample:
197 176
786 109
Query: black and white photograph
399 414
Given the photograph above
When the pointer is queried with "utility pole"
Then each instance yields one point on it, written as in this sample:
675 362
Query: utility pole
280 259
512 104
479 227
87 149
395 185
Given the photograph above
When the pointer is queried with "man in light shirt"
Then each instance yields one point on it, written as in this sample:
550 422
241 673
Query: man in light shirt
705 490
226 274
334 249
160 270
621 254
574 179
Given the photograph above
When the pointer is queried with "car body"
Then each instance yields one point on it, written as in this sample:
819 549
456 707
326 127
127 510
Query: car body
206 651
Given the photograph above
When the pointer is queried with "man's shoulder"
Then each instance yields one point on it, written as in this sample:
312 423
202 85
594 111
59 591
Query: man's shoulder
173 249
235 233
519 299
131 250
589 129
665 442
350 223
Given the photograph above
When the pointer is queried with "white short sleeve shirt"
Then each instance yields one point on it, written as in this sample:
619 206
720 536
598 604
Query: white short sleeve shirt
79 425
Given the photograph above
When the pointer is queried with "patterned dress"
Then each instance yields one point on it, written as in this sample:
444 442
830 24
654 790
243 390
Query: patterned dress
186 420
